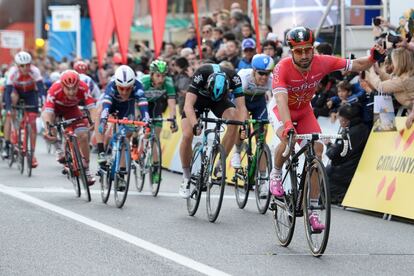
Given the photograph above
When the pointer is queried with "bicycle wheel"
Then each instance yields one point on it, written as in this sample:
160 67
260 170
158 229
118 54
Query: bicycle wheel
196 179
216 182
155 169
20 152
262 173
70 172
12 154
81 168
137 168
105 179
284 215
29 151
121 181
317 240
241 179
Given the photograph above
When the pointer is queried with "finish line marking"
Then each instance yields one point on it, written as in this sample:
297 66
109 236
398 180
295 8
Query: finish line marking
153 248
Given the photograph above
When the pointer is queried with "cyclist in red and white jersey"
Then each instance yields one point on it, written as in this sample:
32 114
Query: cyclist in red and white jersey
82 67
295 80
24 81
63 99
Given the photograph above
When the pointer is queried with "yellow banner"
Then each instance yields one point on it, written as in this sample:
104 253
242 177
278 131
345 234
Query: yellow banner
384 178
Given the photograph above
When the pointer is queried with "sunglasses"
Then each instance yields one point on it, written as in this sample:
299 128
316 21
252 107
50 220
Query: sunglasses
123 89
263 73
24 65
303 50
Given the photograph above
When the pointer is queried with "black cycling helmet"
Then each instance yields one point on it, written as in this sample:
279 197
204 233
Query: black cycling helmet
300 36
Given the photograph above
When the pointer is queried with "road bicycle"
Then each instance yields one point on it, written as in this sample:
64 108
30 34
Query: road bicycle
21 148
120 152
74 162
208 169
150 158
256 165
305 192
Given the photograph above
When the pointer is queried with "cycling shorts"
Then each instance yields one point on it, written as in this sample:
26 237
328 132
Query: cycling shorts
257 108
304 117
30 98
70 112
217 108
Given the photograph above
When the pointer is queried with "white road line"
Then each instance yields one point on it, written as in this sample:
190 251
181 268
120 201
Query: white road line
59 190
158 250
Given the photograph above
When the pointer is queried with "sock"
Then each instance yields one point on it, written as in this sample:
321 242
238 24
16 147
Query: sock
314 202
187 173
239 148
101 147
277 171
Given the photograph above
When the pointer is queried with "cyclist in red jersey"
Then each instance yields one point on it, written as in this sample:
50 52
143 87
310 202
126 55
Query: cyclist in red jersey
63 99
294 83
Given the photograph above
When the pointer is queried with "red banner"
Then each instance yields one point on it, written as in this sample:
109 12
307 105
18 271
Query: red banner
195 9
102 25
158 14
123 12
256 26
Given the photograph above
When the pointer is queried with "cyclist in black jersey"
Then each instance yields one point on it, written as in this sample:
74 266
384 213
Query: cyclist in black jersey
210 87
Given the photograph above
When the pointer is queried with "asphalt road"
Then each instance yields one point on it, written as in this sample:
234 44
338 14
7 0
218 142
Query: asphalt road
46 230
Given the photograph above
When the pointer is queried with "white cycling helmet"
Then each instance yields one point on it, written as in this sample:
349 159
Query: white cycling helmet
54 76
22 58
124 76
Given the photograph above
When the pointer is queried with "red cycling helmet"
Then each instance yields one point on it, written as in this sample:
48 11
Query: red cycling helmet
300 36
80 67
69 78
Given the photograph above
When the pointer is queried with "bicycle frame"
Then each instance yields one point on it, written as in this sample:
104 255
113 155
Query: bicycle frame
259 134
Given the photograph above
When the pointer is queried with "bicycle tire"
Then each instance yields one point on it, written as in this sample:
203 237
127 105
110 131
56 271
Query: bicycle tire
20 153
139 175
284 210
72 177
120 198
81 168
29 151
317 241
196 169
241 179
105 179
214 211
263 203
12 155
155 184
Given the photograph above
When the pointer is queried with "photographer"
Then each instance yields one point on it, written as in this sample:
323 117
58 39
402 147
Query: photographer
342 169
401 82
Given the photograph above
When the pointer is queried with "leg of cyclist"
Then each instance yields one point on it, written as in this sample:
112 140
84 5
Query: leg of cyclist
31 98
236 158
83 139
100 138
11 115
188 121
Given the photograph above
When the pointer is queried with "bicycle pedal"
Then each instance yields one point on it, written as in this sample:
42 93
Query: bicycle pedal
64 171
273 206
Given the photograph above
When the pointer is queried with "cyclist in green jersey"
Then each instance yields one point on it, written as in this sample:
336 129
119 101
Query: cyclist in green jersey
160 93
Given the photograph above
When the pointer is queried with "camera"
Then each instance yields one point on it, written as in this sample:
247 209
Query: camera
376 21
394 38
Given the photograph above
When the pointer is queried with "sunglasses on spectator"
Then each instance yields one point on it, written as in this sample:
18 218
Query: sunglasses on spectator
301 50
263 73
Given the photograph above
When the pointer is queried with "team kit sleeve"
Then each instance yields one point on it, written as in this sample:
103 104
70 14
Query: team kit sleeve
87 96
332 63
170 89
107 101
140 98
280 77
198 81
50 98
235 84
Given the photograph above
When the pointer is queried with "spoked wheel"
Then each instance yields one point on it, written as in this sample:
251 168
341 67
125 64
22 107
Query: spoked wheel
29 151
216 183
262 173
105 179
70 171
155 168
121 181
13 155
20 153
317 202
195 181
241 179
81 169
284 215
138 171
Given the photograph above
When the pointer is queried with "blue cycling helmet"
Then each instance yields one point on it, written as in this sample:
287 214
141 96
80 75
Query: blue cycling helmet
262 62
217 85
